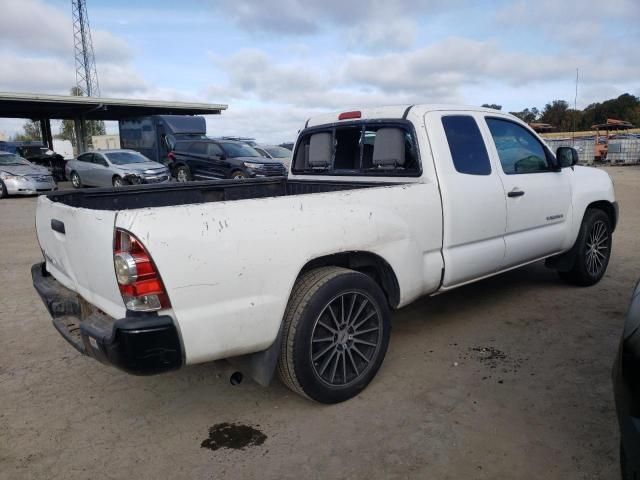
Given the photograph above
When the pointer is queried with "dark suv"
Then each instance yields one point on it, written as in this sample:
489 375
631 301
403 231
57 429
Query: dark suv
215 159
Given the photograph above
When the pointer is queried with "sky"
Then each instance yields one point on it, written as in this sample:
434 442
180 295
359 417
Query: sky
278 62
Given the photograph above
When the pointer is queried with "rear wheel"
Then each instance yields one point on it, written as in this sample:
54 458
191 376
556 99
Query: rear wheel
336 334
593 250
182 174
75 180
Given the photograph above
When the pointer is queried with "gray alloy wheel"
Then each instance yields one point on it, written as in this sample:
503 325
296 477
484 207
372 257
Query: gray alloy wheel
238 175
346 339
597 248
335 334
75 180
592 250
182 175
118 182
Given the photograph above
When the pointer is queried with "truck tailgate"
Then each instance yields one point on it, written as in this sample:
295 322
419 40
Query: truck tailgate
77 245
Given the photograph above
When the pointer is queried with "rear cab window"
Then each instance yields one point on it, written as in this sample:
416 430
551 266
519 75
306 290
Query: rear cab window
359 148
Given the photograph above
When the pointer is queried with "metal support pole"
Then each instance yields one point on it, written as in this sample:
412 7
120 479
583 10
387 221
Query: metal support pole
45 132
78 125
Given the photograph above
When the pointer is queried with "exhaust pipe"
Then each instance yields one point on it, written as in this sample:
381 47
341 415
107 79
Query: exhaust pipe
236 378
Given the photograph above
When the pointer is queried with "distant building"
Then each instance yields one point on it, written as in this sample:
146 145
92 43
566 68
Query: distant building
105 142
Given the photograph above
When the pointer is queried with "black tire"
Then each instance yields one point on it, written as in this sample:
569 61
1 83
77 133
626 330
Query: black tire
3 190
76 181
182 174
238 175
118 181
308 322
592 257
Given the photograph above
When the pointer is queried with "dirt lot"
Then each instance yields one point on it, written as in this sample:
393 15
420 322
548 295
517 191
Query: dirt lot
508 378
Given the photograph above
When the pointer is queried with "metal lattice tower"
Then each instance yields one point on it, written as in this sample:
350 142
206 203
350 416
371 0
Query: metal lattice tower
86 74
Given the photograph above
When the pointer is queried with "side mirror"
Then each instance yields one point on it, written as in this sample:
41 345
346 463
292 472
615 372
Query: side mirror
567 157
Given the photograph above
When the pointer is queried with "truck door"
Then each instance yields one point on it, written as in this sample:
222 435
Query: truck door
473 200
538 198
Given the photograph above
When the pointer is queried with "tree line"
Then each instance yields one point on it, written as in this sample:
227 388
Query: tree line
560 115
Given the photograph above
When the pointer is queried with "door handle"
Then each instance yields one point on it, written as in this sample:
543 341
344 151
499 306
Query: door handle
57 226
515 193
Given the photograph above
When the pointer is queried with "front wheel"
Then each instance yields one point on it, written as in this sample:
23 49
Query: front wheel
118 181
336 333
593 250
238 175
3 190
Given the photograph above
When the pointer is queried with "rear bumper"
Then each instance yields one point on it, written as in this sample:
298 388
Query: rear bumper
141 345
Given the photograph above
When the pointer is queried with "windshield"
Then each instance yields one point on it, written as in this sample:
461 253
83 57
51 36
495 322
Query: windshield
238 150
125 158
13 160
278 152
32 151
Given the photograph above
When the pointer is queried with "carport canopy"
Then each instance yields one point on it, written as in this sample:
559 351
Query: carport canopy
39 106
36 106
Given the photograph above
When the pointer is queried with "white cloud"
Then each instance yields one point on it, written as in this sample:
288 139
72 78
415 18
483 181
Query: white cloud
35 74
362 25
34 26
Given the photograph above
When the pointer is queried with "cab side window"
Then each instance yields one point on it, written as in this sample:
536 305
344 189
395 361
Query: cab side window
98 159
86 157
519 150
468 151
199 148
214 150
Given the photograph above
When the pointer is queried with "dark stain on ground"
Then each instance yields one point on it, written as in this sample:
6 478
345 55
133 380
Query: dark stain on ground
234 436
494 359
489 355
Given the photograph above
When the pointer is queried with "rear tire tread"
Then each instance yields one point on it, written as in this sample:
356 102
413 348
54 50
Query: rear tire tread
304 289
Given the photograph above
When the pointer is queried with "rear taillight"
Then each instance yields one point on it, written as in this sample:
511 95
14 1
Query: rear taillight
171 156
138 278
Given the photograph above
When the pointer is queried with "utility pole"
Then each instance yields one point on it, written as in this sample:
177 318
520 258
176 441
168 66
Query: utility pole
86 74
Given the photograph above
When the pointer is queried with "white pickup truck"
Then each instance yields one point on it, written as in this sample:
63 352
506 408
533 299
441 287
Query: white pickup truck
299 274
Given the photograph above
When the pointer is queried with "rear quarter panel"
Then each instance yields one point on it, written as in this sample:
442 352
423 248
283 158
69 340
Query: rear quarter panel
229 267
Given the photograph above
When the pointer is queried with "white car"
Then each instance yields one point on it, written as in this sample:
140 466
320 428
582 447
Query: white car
299 275
18 176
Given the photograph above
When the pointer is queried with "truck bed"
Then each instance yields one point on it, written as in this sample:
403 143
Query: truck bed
143 196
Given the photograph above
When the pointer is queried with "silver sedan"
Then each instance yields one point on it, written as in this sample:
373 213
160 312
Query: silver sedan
19 176
106 168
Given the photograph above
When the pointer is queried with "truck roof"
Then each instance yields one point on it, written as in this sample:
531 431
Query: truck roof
393 111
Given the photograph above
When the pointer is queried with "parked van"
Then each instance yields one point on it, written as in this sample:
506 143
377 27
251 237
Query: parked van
155 136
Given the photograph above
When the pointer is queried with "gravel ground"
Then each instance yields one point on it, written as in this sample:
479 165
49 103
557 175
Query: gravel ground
506 378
